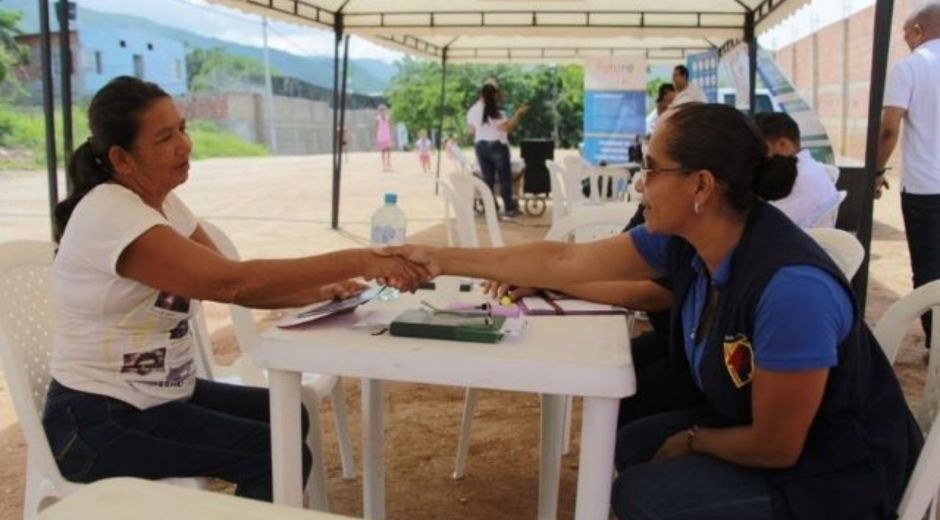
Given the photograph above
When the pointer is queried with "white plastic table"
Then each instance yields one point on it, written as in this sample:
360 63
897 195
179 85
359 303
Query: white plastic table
131 498
555 356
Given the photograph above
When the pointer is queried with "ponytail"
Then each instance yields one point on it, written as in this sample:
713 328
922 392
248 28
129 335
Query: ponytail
86 169
490 109
774 178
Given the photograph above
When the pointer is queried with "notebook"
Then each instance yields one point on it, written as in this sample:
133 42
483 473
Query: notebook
422 323
321 310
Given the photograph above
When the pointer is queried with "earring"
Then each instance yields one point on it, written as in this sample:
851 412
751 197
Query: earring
697 208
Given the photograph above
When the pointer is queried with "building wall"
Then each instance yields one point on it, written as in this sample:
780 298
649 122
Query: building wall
832 69
102 55
301 126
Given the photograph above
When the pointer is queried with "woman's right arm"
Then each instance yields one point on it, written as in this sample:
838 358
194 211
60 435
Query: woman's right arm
539 264
163 259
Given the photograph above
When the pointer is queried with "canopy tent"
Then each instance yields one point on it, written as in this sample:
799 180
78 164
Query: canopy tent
557 31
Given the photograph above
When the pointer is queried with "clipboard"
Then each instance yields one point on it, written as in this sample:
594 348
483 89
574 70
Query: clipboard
320 310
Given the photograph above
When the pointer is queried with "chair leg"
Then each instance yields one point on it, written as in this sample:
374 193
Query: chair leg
315 494
463 442
338 395
566 432
33 495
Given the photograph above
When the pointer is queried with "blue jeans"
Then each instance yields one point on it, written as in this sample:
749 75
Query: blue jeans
688 487
493 158
922 226
223 432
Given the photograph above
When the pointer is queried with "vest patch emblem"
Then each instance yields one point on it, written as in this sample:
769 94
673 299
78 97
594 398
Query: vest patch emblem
739 359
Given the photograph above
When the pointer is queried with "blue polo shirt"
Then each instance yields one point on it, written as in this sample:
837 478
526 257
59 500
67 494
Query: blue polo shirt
802 317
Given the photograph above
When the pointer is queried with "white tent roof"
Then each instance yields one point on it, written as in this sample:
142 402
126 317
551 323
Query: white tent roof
533 30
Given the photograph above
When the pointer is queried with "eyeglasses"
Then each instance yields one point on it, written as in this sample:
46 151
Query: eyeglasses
648 171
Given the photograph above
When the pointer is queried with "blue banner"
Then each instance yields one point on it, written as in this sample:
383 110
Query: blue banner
614 107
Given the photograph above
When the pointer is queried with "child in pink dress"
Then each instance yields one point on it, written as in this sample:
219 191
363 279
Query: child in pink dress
383 137
424 146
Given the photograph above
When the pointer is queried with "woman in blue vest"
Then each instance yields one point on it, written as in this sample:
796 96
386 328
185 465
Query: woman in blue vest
801 415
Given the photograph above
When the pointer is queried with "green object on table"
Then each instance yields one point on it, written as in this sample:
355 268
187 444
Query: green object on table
421 323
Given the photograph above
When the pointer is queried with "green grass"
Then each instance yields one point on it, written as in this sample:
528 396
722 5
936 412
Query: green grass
22 132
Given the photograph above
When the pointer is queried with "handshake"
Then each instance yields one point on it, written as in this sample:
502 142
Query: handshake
402 267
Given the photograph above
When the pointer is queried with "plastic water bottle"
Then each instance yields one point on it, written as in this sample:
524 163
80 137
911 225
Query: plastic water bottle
388 229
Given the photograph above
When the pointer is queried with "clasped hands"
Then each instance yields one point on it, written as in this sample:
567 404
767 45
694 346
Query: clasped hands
402 267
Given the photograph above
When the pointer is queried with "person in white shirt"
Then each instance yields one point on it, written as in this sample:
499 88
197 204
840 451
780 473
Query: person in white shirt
813 200
124 398
686 91
912 95
490 128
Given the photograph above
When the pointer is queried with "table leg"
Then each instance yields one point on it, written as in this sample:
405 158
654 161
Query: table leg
595 474
553 421
286 442
373 447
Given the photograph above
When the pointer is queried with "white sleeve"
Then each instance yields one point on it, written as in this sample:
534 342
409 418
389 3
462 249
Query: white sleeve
179 215
105 223
899 87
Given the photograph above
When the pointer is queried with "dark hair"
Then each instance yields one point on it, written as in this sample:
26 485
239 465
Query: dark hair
778 125
490 109
684 72
664 89
722 140
113 118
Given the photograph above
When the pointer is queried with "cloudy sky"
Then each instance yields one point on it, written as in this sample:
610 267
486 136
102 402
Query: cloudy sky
232 25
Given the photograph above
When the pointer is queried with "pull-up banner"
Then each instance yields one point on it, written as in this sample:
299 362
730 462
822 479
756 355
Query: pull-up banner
614 107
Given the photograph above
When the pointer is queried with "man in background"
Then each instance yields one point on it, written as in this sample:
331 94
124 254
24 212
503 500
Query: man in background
912 94
686 91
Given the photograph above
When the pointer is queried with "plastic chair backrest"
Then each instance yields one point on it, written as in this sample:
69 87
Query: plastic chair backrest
599 224
832 172
464 164
890 331
461 190
827 219
556 176
844 249
26 340
574 173
611 179
242 321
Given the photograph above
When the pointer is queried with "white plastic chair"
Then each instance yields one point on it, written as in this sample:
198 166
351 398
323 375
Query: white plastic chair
611 179
890 330
575 171
316 387
829 216
844 249
26 329
464 164
556 177
460 190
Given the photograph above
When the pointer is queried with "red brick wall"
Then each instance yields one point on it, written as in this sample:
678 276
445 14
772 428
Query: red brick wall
844 73
206 106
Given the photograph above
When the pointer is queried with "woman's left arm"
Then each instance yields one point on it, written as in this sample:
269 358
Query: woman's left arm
784 405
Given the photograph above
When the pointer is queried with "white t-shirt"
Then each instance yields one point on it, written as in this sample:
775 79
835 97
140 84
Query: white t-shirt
690 93
488 131
813 193
115 336
914 85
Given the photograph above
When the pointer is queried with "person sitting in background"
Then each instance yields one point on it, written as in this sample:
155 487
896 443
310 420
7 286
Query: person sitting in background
686 91
124 398
813 193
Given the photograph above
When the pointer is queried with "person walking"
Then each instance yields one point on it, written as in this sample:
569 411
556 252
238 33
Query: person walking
912 95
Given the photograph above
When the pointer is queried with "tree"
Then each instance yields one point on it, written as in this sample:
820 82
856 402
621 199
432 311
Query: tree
414 95
216 69
12 53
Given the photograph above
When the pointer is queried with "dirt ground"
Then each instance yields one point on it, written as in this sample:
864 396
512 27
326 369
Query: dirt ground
279 207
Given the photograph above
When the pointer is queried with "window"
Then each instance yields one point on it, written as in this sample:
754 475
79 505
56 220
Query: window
99 67
139 66
123 44
149 46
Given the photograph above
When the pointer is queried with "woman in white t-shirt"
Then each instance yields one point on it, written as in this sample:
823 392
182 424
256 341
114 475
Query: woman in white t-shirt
124 399
490 128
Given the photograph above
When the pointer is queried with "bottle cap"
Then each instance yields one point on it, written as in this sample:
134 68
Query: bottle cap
391 198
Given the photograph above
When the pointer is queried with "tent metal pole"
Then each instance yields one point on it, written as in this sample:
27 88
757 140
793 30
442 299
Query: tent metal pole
65 78
751 41
48 105
440 122
341 129
879 64
338 38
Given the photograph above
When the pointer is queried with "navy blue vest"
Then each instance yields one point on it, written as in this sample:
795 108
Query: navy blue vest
863 443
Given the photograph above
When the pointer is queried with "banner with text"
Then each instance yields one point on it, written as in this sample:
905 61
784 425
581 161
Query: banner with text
614 107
